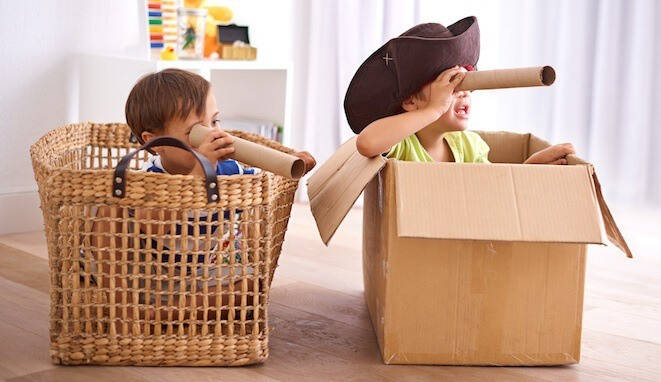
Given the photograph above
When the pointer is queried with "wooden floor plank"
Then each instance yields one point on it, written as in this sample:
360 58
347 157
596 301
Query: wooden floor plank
23 268
343 307
21 351
86 374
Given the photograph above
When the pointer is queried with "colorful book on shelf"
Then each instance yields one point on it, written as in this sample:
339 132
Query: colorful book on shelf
162 23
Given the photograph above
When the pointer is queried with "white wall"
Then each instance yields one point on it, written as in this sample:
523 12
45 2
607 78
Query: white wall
40 42
39 89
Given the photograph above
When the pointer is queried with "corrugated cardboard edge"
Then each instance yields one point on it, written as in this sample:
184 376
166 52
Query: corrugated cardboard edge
334 188
378 196
612 231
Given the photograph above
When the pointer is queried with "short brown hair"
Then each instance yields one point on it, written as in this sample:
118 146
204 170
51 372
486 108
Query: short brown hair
160 97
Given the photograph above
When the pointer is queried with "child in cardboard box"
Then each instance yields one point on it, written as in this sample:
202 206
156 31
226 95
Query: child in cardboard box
171 102
402 108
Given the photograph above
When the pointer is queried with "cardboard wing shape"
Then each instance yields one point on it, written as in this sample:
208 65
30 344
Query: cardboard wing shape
336 185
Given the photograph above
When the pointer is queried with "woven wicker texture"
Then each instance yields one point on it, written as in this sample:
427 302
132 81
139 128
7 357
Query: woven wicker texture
160 277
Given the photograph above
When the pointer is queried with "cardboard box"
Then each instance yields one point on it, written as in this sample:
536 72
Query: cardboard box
471 264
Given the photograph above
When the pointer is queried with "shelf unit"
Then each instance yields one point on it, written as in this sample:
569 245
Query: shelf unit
244 89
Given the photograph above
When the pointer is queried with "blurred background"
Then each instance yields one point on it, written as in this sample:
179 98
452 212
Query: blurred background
70 61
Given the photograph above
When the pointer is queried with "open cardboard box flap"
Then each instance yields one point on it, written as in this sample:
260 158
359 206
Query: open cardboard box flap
501 201
335 186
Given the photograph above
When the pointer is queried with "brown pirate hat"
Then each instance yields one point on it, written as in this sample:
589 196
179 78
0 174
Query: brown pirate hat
406 63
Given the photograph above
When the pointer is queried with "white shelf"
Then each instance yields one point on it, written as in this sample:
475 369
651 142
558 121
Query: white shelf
244 89
221 65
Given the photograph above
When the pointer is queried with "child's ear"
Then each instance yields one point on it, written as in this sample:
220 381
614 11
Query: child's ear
148 136
409 104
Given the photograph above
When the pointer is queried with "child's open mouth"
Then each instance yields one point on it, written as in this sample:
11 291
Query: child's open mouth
462 111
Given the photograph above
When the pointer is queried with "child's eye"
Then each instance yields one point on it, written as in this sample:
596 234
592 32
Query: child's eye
216 122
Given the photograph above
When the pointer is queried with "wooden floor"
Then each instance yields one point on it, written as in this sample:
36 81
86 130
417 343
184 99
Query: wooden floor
322 330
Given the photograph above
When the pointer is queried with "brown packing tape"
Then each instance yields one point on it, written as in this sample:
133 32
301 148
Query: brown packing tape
256 155
508 78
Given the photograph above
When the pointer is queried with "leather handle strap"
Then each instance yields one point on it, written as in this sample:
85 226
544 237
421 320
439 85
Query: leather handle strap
210 179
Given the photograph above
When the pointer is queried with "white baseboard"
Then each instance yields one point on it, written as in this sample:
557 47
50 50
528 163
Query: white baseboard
19 212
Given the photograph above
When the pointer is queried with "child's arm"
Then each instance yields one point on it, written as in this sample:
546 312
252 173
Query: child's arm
380 135
555 154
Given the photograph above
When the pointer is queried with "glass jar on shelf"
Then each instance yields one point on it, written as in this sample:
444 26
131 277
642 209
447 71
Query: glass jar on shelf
191 24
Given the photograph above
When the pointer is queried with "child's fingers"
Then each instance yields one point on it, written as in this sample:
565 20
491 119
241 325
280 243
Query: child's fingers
560 161
210 137
446 75
558 151
218 134
309 161
457 79
221 142
224 152
569 148
214 135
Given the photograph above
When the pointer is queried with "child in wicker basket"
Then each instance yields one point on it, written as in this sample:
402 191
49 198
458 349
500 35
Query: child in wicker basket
171 102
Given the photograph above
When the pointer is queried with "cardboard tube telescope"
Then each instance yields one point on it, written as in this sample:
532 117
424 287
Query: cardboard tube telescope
256 155
507 78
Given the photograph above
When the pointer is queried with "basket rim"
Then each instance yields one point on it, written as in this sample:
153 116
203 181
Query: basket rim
43 140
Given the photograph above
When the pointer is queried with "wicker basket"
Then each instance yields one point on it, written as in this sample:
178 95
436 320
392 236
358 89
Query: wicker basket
123 292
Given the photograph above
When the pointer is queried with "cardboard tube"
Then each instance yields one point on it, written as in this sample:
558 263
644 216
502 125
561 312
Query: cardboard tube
256 155
508 78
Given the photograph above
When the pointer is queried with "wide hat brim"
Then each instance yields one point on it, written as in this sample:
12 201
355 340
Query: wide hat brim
403 65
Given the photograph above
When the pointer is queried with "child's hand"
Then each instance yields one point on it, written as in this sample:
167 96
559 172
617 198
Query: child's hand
308 159
441 89
556 154
216 146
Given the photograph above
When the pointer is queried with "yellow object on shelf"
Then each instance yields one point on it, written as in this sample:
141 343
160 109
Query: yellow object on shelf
220 14
211 29
168 54
193 3
215 15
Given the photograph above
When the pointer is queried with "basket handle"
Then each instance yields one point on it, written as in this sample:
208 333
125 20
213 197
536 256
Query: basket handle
119 179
